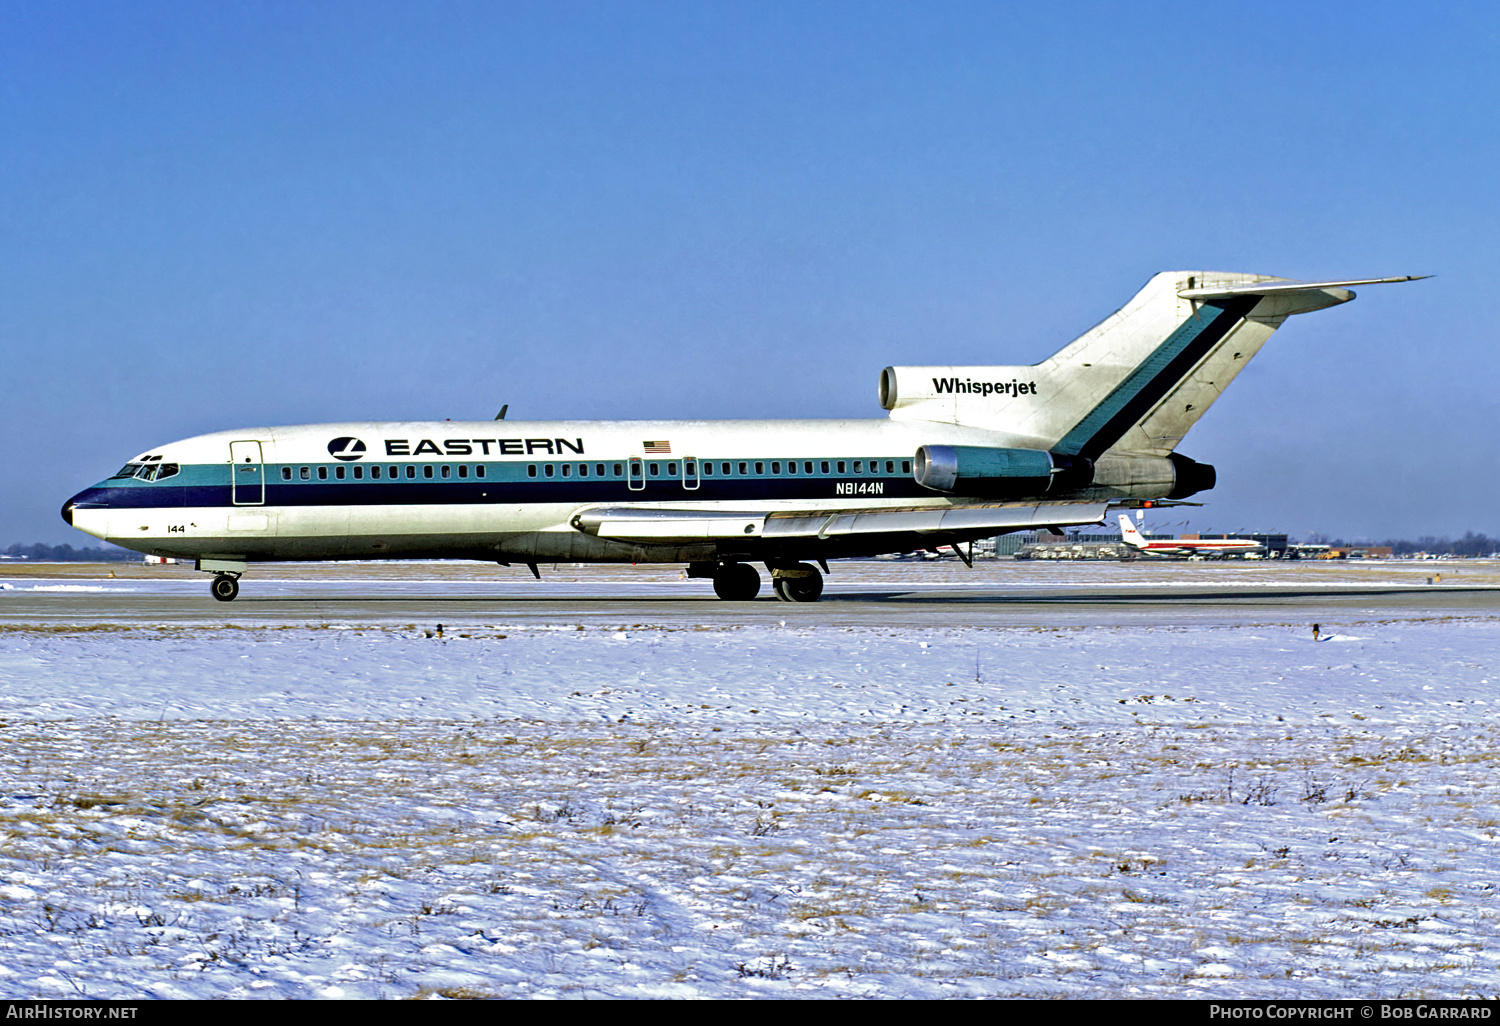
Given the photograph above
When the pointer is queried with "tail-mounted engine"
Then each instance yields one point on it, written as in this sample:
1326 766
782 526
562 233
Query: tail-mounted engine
999 473
983 472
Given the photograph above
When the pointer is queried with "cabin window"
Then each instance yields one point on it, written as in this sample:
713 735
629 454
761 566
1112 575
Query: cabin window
479 470
395 473
583 470
286 473
906 466
322 473
890 466
619 469
427 470
567 469
598 469
374 472
531 470
671 470
305 473
463 471
791 466
807 467
547 469
825 466
776 467
339 471
359 472
859 466
760 468
841 466
708 468
447 471
655 469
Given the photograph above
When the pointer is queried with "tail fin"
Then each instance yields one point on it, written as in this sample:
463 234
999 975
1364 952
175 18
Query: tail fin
1130 532
1135 383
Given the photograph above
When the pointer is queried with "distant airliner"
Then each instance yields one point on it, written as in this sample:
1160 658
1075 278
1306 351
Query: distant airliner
966 453
1186 546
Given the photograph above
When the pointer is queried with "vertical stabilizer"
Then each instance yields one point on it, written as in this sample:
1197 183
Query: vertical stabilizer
1130 532
1136 383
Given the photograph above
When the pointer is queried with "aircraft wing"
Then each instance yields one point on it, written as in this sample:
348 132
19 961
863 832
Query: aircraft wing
962 521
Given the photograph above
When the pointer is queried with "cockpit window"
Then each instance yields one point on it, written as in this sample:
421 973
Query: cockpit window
147 471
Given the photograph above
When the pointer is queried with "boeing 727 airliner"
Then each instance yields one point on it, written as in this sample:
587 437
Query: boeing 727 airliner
966 453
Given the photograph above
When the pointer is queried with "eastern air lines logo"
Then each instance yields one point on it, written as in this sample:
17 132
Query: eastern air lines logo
346 448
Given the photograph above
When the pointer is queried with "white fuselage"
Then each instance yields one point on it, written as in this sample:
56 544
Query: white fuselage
493 489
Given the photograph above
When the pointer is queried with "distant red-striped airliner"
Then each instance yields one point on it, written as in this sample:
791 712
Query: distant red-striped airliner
1185 546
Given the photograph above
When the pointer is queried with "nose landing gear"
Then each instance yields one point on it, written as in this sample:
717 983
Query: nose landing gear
226 582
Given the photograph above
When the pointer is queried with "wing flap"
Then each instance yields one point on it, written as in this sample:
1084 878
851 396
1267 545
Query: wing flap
976 520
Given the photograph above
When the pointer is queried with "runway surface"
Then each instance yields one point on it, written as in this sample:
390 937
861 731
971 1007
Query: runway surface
1021 780
872 593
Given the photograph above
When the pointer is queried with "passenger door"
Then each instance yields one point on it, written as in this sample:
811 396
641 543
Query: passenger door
247 483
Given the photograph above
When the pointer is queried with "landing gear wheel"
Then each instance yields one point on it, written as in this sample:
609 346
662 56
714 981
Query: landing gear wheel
808 587
225 587
737 582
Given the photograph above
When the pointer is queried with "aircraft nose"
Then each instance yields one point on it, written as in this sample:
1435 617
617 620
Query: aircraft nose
67 512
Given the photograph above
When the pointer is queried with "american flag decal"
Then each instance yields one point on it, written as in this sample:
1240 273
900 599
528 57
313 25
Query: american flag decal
658 448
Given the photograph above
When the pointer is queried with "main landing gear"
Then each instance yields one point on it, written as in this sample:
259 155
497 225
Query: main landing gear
740 582
225 587
800 583
736 582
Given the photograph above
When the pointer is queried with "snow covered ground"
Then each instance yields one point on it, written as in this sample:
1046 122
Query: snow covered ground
636 810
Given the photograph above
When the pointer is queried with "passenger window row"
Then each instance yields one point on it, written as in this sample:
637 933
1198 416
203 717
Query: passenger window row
463 471
377 472
615 470
691 468
804 468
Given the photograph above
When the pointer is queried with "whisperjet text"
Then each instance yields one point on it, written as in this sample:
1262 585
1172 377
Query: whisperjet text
941 385
467 446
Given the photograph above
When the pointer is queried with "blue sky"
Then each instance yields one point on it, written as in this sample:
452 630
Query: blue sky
236 214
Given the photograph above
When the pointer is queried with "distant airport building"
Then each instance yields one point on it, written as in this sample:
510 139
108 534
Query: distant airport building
1043 545
1046 545
1077 547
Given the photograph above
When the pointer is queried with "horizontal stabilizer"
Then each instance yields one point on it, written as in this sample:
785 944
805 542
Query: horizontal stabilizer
1282 286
